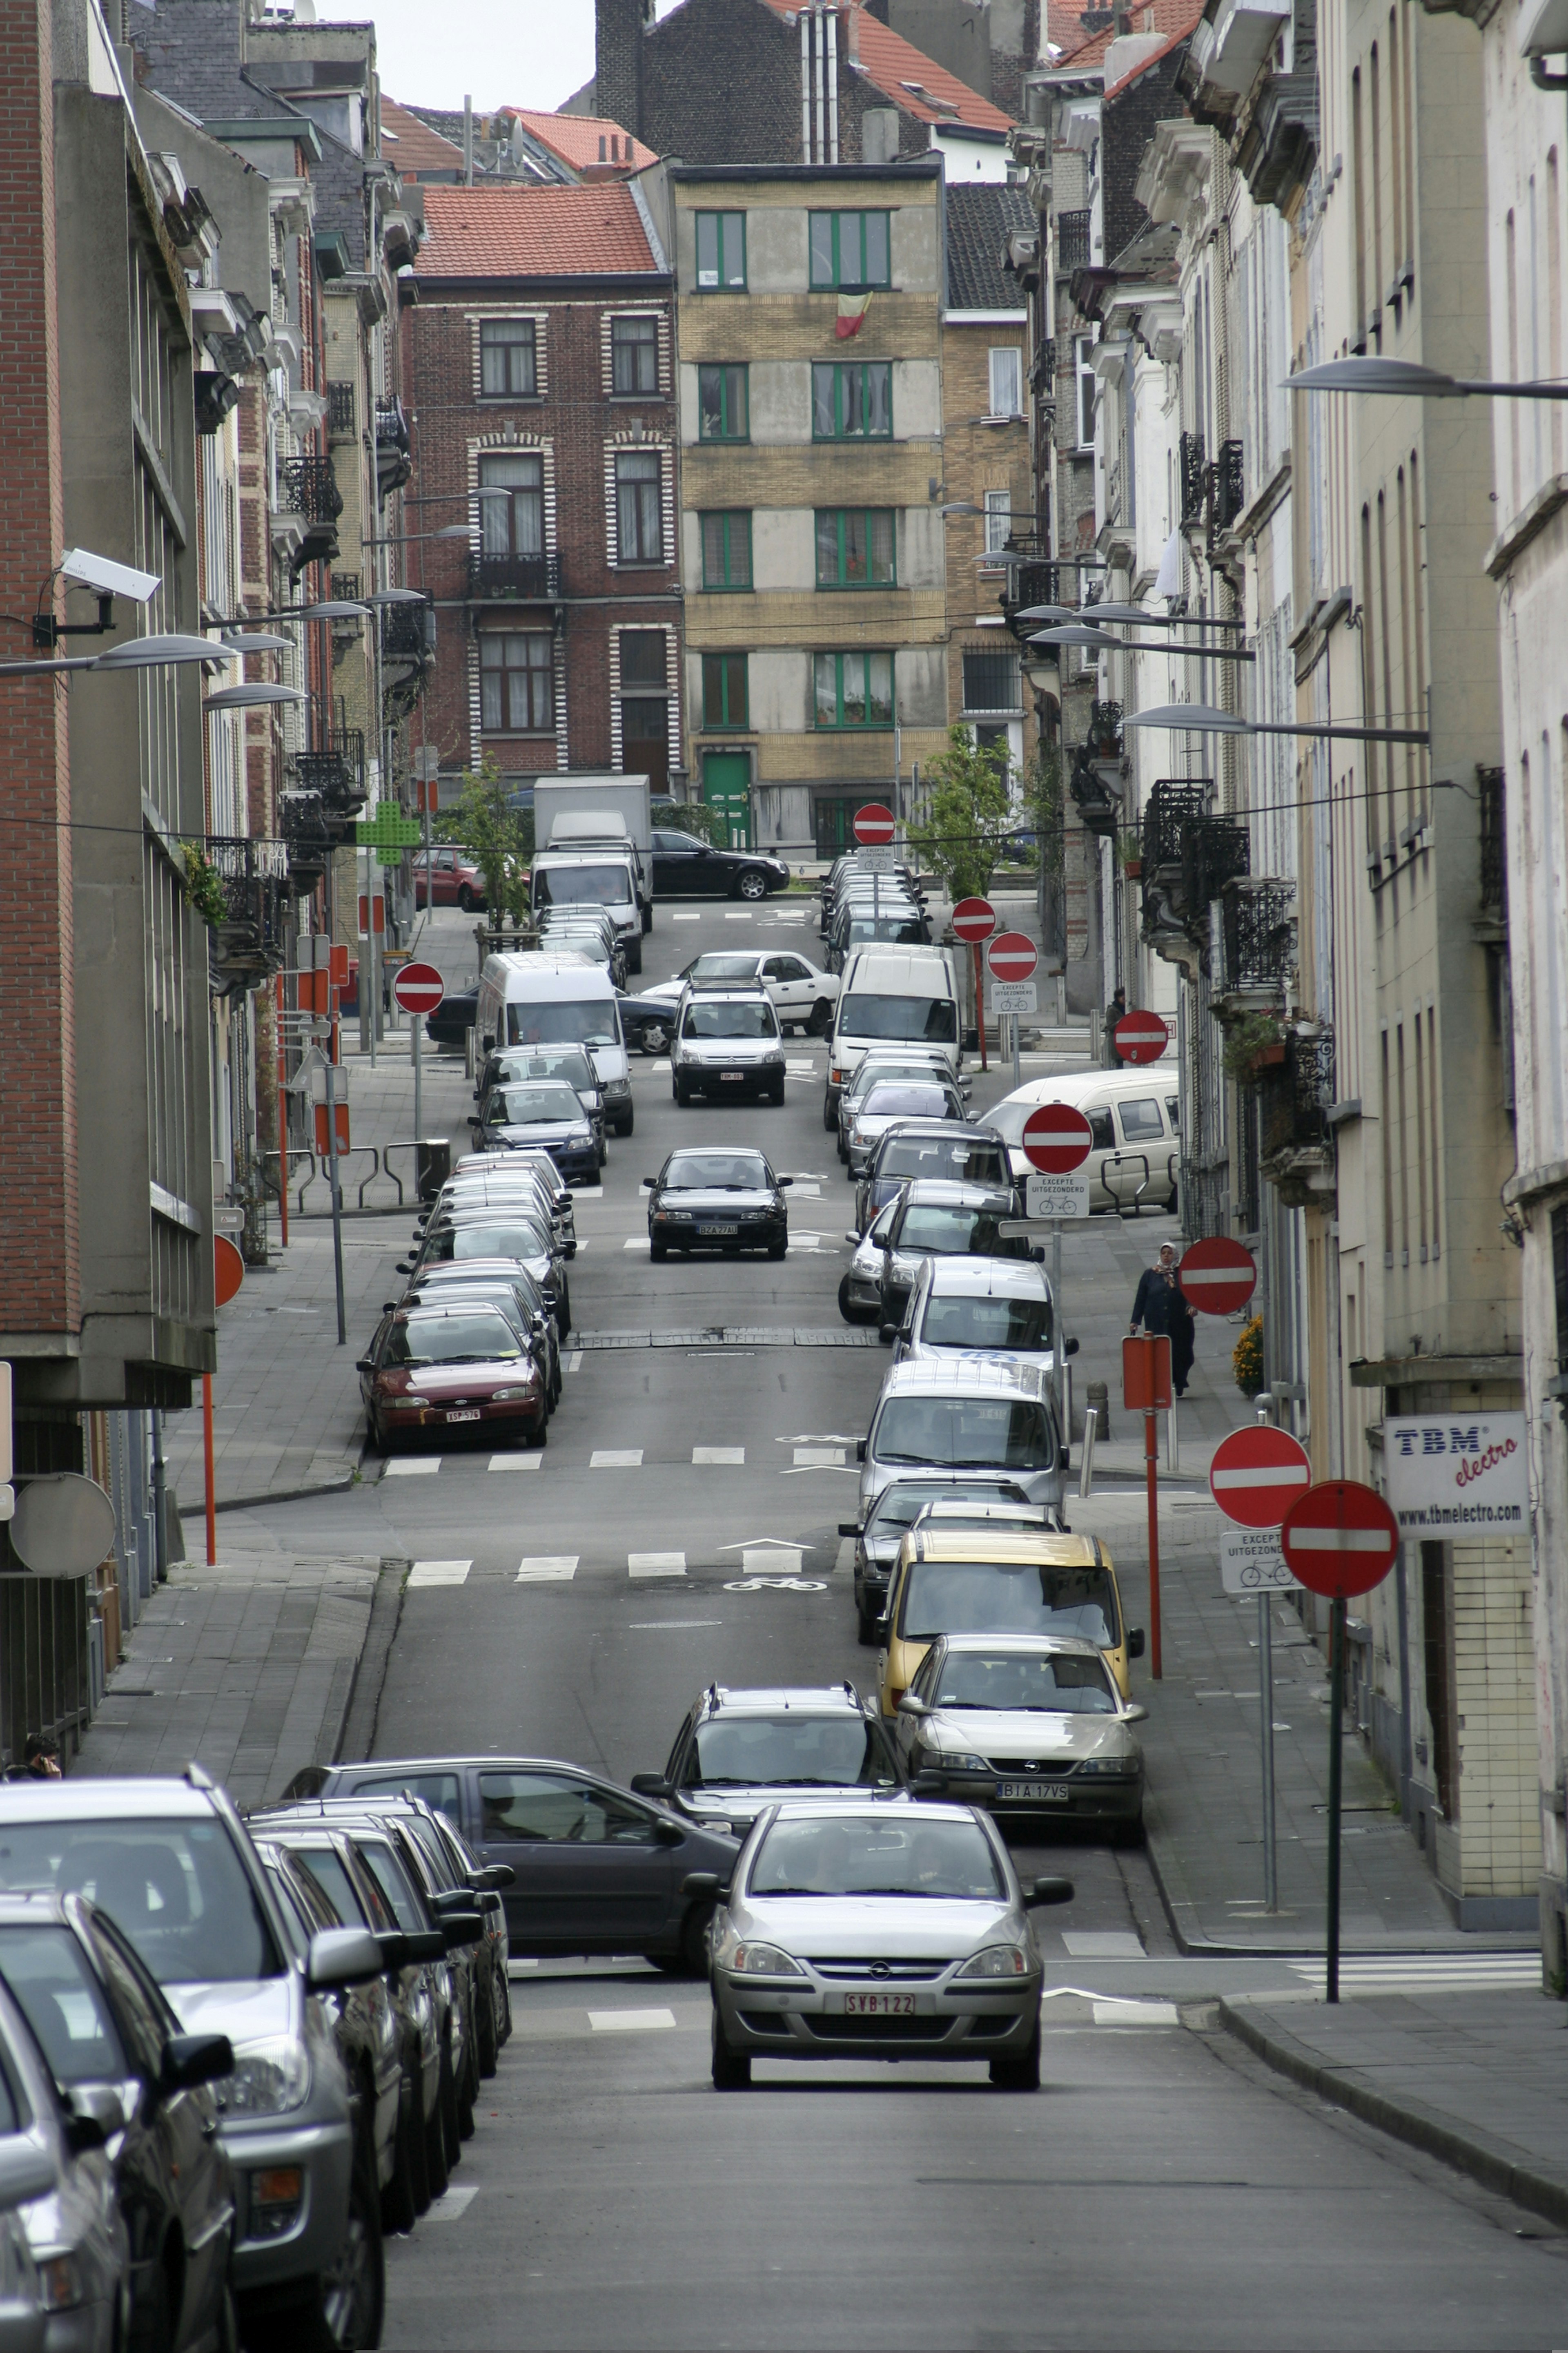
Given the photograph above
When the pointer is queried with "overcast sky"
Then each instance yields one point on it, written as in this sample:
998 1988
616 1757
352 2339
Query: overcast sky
531 53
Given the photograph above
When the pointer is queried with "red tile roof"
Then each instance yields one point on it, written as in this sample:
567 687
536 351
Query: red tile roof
1175 17
412 146
575 139
1171 41
892 64
512 232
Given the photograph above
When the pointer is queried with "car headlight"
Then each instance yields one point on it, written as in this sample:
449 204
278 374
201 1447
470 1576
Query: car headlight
997 1961
268 2078
763 1961
409 1398
615 1089
512 1397
59 2283
583 1134
771 1059
965 1761
1109 1768
674 1216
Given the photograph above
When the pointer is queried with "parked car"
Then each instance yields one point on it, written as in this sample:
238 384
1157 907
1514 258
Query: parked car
961 1307
569 1063
957 1152
73 2264
27 2171
646 1026
983 1414
545 1113
687 867
859 1931
726 1042
803 997
464 1232
453 1018
455 879
877 1067
440 1366
928 1218
483 1179
738 1751
503 1284
890 1103
1027 1725
878 1539
714 1198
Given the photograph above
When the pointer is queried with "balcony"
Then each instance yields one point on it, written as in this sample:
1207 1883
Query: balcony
1252 946
518 579
1490 925
1189 855
248 945
1295 1142
307 838
393 450
1194 479
1215 851
305 521
1228 491
335 772
343 423
1095 782
408 633
1072 242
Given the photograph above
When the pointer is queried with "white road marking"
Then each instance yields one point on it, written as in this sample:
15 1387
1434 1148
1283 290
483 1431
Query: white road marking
547 1567
410 1466
818 1458
1103 1944
656 1564
629 2021
663 1625
804 1192
515 1461
739 915
440 1572
450 2206
588 1192
633 1241
616 1457
805 1241
773 1560
715 1454
686 919
1136 2013
575 1361
1427 1972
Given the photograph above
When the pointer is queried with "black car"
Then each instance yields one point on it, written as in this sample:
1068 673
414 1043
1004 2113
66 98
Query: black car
487 1232
453 1018
919 1147
685 868
710 1198
646 1027
547 1113
572 1063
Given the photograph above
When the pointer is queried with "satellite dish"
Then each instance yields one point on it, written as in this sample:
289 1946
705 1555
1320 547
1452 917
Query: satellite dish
64 1524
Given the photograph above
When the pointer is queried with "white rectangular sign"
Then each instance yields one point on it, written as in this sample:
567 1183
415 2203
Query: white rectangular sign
1058 1196
1014 997
1450 1471
876 860
227 1220
1250 1561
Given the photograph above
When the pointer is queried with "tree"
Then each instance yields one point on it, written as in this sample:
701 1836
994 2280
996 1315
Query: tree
497 837
969 816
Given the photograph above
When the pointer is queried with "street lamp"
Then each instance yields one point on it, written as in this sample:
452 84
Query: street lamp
447 531
253 693
1202 719
1410 377
1102 640
152 654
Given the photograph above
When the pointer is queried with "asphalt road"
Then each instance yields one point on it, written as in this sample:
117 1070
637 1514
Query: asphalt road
1160 2191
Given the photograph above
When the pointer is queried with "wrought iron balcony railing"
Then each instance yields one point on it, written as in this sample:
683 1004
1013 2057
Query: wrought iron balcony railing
408 633
525 579
1294 1098
341 418
1194 479
1494 845
307 838
1072 242
306 486
1227 489
1257 938
1172 805
249 943
1215 851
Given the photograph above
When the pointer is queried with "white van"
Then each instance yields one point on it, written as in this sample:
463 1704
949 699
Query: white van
606 875
1134 1160
557 997
891 997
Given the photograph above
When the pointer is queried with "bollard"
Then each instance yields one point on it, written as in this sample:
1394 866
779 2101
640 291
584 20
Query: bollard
1086 1462
1097 1400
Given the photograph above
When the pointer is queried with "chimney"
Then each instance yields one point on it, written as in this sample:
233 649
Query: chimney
619 26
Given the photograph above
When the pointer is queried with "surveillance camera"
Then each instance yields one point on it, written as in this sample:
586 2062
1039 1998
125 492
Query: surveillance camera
106 578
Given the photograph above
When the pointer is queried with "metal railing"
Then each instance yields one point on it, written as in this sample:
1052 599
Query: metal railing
527 578
1215 850
341 421
306 837
408 633
1294 1097
1494 843
44 1675
1194 477
250 942
1228 488
1072 242
307 486
346 586
1172 805
1257 935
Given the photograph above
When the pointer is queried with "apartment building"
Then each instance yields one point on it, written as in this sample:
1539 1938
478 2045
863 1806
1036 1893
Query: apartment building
811 485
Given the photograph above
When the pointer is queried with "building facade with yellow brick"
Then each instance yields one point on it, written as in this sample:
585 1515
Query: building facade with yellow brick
809 338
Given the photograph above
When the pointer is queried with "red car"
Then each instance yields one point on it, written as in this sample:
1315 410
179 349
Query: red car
454 880
431 1366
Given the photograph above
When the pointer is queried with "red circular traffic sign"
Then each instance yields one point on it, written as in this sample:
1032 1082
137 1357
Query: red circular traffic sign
1256 1474
1056 1139
973 918
1140 1037
419 988
875 826
1218 1276
228 1270
1339 1539
1012 955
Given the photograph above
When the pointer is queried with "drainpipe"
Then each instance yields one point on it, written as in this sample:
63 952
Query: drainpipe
832 23
806 84
467 141
820 76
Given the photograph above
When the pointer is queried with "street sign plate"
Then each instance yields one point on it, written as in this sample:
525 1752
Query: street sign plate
1218 1276
1140 1037
1012 955
227 1219
419 988
1250 1561
973 918
1056 1139
1057 1196
1340 1538
874 825
875 860
1146 1373
1014 997
1256 1474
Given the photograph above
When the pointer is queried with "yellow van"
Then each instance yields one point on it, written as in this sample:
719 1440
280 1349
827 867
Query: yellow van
980 1581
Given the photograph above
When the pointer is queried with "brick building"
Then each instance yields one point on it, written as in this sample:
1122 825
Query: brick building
538 357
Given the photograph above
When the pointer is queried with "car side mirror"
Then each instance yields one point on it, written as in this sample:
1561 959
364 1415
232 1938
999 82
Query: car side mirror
1136 1713
1069 1347
860 1450
1038 1252
783 1181
402 1949
650 1785
1047 1891
472 1122
909 1704
488 1042
1064 1457
668 1834
846 1528
97 2111
650 1182
853 1239
340 1958
493 1877
888 1333
403 1266
699 1884
190 2059
461 1928
364 1364
1136 1642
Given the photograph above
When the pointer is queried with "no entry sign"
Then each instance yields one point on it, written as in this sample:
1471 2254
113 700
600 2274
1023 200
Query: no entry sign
1339 1539
973 918
419 988
1140 1037
1256 1475
228 1268
874 826
1218 1276
1012 955
1056 1139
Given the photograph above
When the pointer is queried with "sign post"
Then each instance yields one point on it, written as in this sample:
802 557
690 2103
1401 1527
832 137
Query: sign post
1340 1538
324 1000
1146 1390
1056 1141
975 920
419 989
1011 959
1255 1477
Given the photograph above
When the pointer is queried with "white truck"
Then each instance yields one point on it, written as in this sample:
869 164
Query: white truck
592 845
626 800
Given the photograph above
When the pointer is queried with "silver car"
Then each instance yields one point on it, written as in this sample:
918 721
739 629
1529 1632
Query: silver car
877 1931
929 1217
914 1063
962 1307
891 1102
74 2262
727 1042
985 1414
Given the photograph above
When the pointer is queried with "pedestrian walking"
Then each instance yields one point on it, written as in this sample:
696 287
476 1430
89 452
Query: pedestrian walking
1162 1306
1113 1013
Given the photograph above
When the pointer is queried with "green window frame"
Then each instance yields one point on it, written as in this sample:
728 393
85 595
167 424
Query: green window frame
852 691
850 251
856 547
727 548
721 253
725 702
723 409
852 400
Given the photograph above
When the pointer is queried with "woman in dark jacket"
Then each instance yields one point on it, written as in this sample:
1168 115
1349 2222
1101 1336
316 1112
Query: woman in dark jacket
1162 1306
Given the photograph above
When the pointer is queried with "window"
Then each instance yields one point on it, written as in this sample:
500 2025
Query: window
517 683
849 249
998 520
642 659
639 525
853 690
852 401
720 251
1082 347
1006 380
553 1809
721 404
724 690
854 547
727 550
991 682
633 355
511 506
509 359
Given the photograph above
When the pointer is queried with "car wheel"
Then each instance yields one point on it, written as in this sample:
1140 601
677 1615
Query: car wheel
658 1250
488 2051
538 1432
375 1437
778 1249
866 1629
353 2285
821 1015
437 2172
656 1038
752 883
1130 1833
694 1939
624 1126
830 1117
731 2068
465 899
563 1323
153 2313
850 1309
399 2204
777 1093
647 920
634 954
451 2128
1021 2073
679 1092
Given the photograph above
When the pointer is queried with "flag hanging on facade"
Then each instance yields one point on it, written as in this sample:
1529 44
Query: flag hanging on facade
852 310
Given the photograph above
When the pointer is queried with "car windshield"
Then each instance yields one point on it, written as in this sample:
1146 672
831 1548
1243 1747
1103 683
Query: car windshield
937 1231
581 886
870 1015
998 1680
962 1162
1013 1433
565 1063
989 1323
564 1022
47 1971
545 1104
896 1100
744 1017
894 931
1003 1597
695 1172
906 1857
592 944
176 1887
872 1075
509 1241
460 1338
902 1502
716 966
742 1752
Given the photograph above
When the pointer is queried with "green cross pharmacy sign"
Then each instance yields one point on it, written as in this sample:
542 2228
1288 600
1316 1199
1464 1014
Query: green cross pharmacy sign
389 832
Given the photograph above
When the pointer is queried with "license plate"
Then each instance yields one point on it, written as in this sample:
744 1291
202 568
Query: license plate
732 1077
879 2005
1039 1793
472 1414
719 1229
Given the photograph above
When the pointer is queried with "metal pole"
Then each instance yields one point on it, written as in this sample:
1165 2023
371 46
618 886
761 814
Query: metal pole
1150 1474
1266 1681
208 1467
416 1023
1336 1758
282 1117
159 1499
372 876
337 1199
1058 1326
980 1008
1172 1438
1017 1071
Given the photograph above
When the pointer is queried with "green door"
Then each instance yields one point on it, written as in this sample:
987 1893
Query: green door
727 787
834 819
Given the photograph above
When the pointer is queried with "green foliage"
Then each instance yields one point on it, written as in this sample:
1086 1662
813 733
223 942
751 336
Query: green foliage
1247 1039
1246 1358
204 886
497 837
695 817
969 819
1043 802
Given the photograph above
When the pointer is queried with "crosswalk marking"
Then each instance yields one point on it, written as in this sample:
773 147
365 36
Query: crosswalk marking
738 914
1427 1972
717 1454
629 2021
440 1572
1136 2013
686 919
818 1458
616 1457
547 1567
805 1192
805 1241
410 1466
515 1461
1103 1944
657 1563
633 1241
575 1361
772 1560
587 1193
